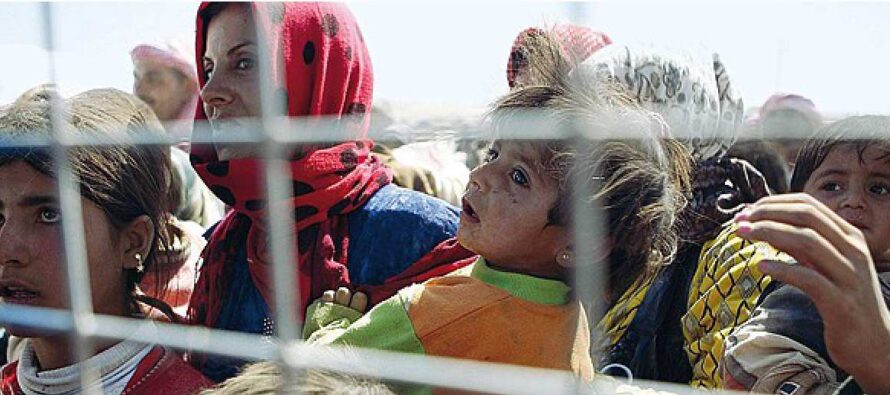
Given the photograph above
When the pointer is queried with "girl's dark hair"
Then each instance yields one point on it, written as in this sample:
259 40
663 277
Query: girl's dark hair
766 157
637 176
126 180
861 132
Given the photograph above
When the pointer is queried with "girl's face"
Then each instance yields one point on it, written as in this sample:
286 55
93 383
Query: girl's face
505 209
31 261
858 189
231 95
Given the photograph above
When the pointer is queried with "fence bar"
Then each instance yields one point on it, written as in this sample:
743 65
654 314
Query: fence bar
441 371
588 244
281 221
76 263
276 134
446 372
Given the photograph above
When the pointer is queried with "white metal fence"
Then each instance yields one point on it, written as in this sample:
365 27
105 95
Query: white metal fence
86 327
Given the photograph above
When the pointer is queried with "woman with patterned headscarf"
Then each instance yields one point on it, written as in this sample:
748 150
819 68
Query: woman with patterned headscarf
352 227
665 326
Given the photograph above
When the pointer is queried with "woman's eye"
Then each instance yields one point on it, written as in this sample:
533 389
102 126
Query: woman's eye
245 64
831 187
49 215
879 189
490 155
519 177
208 70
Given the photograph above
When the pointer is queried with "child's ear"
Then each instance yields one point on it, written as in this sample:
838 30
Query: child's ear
135 242
565 256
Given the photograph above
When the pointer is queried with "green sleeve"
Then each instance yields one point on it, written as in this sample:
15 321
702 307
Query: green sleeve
328 316
385 327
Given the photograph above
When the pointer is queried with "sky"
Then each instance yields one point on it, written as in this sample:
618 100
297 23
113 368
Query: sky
455 53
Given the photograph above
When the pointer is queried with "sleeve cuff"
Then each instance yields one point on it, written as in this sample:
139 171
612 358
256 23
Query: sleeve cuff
326 314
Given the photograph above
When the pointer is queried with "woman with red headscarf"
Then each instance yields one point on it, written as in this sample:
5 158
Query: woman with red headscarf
353 228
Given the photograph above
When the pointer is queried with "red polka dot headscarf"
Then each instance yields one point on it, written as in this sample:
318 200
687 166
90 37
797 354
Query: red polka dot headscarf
321 67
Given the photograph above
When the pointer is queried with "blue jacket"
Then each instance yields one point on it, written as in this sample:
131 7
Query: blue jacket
394 229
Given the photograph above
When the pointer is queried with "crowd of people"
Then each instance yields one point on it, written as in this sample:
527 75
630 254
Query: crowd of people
739 251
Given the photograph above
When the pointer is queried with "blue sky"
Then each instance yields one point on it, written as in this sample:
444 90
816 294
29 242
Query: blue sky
455 53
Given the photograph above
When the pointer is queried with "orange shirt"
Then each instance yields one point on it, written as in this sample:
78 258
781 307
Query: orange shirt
479 313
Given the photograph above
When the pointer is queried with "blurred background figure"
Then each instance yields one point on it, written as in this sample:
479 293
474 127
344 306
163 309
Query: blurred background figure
164 77
768 158
786 119
434 165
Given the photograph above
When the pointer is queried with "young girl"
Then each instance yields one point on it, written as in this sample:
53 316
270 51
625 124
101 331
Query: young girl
124 199
514 304
703 109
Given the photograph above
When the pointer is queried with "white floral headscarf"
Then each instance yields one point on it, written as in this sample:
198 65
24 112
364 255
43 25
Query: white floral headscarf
694 97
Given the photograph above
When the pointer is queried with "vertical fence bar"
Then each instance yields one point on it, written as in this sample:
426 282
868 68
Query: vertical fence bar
75 254
587 222
280 223
589 233
589 236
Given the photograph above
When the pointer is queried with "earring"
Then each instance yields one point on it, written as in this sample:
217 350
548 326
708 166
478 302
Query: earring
564 259
139 267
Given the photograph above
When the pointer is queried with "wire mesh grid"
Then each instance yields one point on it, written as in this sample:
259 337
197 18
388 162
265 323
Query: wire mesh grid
285 347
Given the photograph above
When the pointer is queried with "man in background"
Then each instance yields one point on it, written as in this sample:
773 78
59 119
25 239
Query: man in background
164 77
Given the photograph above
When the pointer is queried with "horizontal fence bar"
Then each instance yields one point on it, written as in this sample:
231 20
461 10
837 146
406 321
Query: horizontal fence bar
296 132
422 369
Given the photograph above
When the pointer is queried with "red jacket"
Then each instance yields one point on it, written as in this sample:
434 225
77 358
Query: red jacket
161 372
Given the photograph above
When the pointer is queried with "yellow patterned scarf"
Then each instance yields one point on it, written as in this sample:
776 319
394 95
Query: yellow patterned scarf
722 295
614 324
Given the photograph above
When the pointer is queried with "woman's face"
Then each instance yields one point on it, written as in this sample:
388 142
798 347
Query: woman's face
231 95
31 261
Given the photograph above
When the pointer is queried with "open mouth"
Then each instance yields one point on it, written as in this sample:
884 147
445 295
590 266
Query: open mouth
467 211
15 292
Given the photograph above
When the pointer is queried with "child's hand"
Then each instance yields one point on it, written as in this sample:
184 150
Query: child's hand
357 301
836 270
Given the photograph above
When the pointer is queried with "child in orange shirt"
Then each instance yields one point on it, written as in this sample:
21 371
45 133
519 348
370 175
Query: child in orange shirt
514 304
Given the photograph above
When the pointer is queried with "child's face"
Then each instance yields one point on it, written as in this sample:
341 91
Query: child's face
859 191
31 261
504 213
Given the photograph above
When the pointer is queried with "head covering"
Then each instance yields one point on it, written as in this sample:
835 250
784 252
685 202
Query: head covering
576 42
791 101
809 121
704 111
172 53
696 98
321 67
175 55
